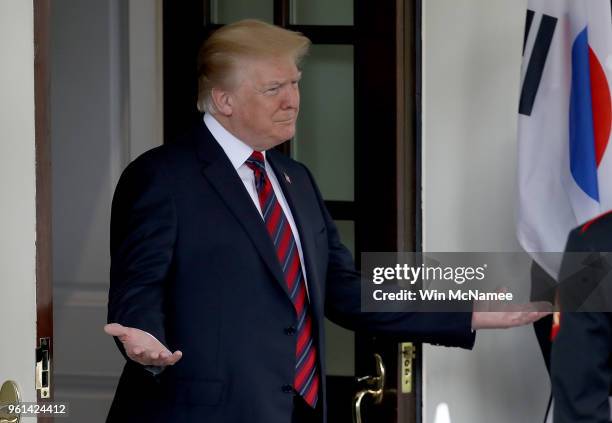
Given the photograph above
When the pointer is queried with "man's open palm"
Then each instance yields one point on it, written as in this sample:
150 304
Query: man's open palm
143 347
508 316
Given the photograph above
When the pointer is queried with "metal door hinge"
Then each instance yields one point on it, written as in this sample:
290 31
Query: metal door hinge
408 355
43 368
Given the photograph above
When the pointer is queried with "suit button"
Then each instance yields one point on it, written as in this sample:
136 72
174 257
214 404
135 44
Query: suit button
290 330
288 389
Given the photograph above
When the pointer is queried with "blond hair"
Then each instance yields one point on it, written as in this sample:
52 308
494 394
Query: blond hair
220 55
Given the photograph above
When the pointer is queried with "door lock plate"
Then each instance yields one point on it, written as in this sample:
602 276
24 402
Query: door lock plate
408 355
43 368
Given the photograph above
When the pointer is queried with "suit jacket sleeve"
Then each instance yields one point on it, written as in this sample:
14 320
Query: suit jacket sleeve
143 231
343 303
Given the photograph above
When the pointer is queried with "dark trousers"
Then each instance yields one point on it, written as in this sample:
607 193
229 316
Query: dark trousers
303 413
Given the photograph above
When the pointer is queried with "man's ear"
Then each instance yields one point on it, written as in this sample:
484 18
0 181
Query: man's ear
222 101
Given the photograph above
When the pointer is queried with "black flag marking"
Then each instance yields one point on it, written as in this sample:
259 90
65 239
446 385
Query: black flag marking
528 22
535 67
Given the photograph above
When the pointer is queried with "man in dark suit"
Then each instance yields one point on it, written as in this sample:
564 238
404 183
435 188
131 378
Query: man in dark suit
222 250
580 359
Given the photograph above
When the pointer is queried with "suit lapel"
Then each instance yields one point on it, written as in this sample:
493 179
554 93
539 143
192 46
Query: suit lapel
291 186
222 176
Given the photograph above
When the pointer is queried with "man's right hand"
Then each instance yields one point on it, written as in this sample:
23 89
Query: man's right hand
143 347
508 316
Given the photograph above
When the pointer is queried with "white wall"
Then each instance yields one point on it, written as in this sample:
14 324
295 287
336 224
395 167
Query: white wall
105 109
471 71
17 193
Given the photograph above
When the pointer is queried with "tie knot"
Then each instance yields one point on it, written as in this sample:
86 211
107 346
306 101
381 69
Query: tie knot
257 162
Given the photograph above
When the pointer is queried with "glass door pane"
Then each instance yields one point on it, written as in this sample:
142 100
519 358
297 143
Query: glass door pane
228 11
340 353
324 140
322 12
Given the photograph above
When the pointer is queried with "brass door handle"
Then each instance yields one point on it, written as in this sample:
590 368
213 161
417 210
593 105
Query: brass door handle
9 395
375 388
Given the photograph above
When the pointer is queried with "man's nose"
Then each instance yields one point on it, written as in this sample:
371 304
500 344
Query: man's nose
291 98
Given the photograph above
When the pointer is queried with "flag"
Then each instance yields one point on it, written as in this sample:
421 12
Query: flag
564 153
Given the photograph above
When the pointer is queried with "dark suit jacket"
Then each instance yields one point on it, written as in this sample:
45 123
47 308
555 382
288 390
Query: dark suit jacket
193 264
580 369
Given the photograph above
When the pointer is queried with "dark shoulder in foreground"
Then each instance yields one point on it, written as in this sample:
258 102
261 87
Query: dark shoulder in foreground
601 222
594 235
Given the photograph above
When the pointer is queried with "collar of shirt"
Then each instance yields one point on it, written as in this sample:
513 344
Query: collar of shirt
235 149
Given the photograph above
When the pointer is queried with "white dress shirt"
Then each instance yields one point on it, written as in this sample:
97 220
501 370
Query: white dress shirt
238 152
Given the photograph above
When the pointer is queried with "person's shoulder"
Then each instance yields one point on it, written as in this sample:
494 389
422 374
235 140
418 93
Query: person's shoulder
603 222
595 233
146 165
167 156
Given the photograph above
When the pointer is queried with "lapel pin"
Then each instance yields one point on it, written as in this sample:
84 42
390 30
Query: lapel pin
287 178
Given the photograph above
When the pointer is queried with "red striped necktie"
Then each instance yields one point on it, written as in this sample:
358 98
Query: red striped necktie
306 381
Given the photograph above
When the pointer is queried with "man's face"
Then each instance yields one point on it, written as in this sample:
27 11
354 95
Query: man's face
266 102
